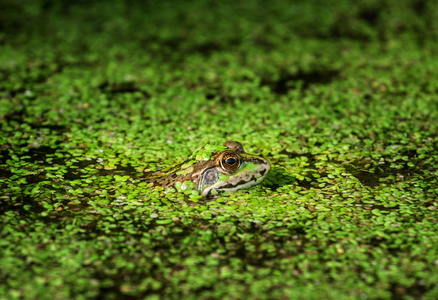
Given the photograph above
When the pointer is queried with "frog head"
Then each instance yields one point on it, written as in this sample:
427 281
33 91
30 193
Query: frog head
223 168
231 169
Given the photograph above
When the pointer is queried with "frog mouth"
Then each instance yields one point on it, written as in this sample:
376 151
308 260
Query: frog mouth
253 171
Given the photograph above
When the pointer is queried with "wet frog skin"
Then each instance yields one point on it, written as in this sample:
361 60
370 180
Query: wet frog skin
222 168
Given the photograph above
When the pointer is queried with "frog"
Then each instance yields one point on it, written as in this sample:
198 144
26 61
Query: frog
215 169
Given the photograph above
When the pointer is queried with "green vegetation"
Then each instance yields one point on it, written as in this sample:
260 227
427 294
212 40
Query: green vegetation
339 95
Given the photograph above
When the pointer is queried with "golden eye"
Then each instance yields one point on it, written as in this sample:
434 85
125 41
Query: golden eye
229 161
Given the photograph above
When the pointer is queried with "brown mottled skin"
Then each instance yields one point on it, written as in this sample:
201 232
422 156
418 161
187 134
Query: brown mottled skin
169 178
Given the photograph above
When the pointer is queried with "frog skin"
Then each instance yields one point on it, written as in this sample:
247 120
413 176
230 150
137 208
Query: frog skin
224 168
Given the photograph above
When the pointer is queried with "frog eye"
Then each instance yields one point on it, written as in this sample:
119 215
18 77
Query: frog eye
229 161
